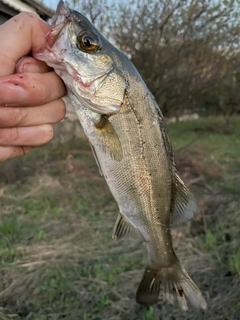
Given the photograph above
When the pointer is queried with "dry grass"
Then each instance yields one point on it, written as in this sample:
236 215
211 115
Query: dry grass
58 260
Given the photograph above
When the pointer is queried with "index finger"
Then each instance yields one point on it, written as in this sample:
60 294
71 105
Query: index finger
26 32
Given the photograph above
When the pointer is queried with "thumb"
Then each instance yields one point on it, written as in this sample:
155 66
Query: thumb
18 36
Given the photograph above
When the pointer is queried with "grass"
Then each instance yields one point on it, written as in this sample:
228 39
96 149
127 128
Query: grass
57 258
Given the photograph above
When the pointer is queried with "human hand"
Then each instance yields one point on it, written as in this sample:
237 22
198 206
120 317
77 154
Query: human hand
30 93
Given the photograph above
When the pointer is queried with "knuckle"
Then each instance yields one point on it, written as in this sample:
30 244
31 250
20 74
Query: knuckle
24 16
14 135
9 136
18 116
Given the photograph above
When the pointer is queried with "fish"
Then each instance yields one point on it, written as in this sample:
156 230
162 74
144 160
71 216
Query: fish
129 139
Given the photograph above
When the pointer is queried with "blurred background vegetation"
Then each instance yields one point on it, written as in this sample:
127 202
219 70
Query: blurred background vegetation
57 258
187 51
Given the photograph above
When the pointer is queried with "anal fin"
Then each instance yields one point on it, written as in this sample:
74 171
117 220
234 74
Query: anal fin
122 227
184 206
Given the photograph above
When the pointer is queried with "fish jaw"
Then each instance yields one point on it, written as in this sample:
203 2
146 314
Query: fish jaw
59 21
55 53
86 75
61 13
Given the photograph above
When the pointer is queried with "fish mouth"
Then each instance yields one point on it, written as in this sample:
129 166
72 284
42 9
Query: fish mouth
59 21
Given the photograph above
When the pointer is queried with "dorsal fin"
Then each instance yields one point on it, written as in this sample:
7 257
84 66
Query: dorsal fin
184 205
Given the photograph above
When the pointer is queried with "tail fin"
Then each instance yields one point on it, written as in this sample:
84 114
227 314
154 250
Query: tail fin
174 283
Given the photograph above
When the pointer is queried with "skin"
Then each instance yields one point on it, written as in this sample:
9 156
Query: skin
128 135
30 92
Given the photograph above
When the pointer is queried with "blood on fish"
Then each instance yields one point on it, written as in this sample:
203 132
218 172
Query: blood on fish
84 84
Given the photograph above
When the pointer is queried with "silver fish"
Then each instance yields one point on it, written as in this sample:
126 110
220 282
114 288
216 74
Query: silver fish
129 139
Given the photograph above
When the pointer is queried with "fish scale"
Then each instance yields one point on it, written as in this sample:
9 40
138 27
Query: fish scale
129 139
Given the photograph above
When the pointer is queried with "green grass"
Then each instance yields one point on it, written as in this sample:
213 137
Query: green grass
57 258
207 135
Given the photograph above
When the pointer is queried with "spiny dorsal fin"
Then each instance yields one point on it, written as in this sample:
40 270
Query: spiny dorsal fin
122 227
184 206
109 139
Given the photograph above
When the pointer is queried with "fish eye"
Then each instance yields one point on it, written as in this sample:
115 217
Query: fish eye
88 42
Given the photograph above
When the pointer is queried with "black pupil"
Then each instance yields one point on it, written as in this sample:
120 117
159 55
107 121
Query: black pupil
88 41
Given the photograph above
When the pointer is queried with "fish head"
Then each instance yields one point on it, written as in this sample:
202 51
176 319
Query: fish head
83 58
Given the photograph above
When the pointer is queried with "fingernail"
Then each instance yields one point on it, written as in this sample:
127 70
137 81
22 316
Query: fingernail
12 93
29 67
26 150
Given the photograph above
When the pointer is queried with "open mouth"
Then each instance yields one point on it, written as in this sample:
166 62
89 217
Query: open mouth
59 21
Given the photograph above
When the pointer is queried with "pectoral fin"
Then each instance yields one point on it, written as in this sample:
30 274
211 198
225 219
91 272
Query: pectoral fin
184 206
122 227
109 139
